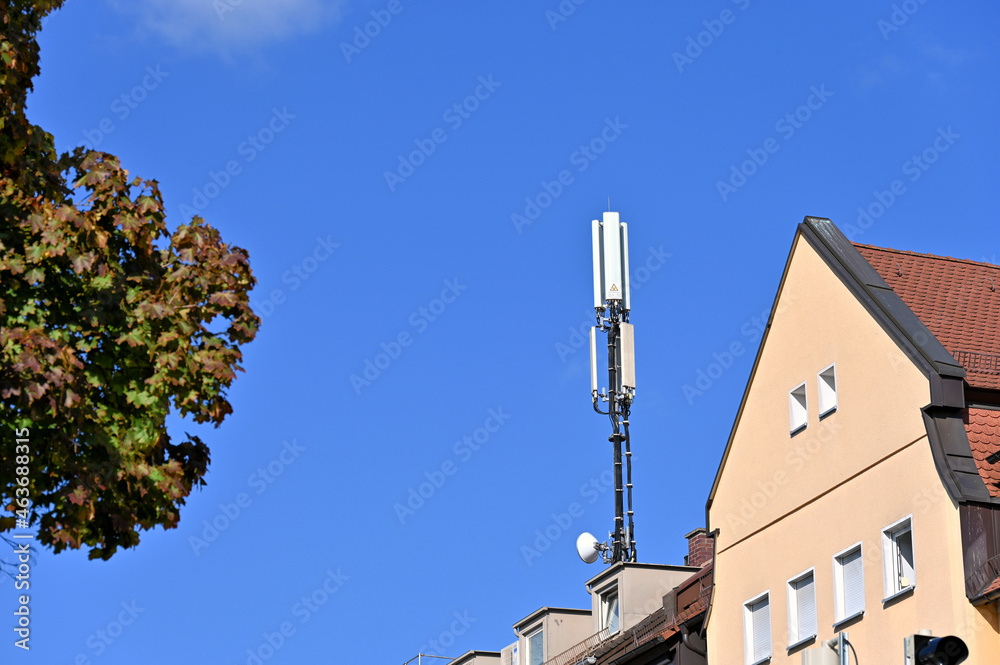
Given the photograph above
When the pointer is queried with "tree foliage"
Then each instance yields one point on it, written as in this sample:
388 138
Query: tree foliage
108 323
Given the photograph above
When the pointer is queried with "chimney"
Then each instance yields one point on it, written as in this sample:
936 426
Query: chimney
699 548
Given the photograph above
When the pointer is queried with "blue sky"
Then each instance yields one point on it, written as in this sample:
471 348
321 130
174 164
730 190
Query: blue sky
419 199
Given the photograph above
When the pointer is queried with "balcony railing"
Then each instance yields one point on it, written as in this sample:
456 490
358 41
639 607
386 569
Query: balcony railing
645 631
983 363
580 651
983 576
655 624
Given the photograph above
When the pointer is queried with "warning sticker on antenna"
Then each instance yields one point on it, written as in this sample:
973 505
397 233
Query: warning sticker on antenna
614 288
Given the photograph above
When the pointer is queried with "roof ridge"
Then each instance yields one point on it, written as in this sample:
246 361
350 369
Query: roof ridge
983 264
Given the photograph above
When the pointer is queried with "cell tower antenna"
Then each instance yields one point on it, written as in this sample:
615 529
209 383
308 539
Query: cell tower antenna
612 302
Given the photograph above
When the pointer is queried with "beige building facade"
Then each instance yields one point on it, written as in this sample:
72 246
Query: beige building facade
829 508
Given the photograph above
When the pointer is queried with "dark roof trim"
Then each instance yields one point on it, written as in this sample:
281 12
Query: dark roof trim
945 430
987 598
952 454
617 567
537 614
474 654
885 306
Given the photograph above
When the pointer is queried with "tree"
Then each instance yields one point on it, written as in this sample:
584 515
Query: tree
108 323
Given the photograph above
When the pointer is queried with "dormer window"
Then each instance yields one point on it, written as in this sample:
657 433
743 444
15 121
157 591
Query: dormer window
536 647
610 612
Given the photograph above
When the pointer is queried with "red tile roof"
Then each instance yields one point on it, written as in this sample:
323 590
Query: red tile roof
983 426
958 300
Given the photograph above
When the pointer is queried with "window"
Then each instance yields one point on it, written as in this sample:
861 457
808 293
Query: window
827 390
610 611
535 648
801 608
757 629
798 414
897 558
849 584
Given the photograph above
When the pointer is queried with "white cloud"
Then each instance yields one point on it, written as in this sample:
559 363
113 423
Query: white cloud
230 25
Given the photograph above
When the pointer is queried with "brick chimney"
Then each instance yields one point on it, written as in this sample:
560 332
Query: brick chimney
699 548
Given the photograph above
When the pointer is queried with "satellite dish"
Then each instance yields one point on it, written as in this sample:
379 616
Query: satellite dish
587 547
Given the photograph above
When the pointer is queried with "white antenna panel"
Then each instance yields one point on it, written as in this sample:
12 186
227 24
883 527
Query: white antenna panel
627 291
612 250
626 359
598 267
611 279
593 361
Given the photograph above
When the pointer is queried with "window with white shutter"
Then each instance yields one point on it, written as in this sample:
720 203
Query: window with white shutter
802 623
757 629
898 574
849 584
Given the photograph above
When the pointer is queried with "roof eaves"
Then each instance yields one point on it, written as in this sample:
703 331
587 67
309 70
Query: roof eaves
541 611
953 458
895 317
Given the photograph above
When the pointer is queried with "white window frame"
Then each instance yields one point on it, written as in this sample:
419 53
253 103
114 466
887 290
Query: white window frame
527 643
795 636
606 596
826 396
891 569
840 612
749 646
798 409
